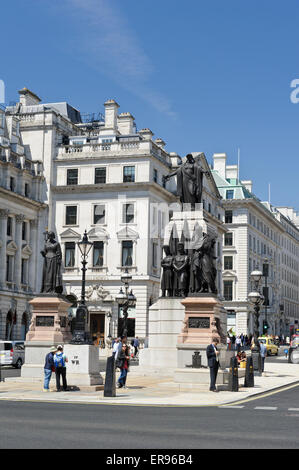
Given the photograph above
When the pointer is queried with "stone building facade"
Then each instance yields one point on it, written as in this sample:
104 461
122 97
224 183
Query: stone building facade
258 234
104 176
23 216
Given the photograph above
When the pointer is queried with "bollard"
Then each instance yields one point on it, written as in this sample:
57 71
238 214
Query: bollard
1 379
233 379
196 360
110 387
249 373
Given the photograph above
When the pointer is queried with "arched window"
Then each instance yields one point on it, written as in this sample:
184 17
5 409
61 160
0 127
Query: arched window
9 325
24 325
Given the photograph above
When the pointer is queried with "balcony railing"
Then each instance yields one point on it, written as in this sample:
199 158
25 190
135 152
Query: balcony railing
142 147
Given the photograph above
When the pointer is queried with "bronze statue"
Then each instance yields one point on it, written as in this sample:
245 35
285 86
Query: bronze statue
208 270
52 278
195 271
181 267
189 180
167 275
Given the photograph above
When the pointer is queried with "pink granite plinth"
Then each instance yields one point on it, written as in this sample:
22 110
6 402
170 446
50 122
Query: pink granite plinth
204 311
49 320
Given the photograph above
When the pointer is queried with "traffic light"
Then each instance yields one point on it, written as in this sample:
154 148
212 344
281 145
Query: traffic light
265 327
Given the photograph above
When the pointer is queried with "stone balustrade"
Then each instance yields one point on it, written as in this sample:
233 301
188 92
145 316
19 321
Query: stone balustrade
114 148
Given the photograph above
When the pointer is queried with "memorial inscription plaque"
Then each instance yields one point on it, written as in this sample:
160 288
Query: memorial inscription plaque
199 322
44 321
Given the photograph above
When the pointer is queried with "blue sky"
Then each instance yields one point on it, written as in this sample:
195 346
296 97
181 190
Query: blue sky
210 76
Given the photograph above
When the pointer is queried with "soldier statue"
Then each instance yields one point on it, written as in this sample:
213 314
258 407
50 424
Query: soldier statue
167 274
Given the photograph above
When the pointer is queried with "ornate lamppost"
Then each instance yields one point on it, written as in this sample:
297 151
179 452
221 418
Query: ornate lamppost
126 300
265 275
256 299
81 335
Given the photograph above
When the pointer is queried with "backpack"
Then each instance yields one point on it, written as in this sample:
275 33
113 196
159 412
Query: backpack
59 360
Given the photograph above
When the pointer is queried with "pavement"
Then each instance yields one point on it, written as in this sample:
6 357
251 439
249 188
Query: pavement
155 390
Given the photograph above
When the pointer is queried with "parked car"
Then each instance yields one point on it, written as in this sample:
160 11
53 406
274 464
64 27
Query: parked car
270 345
12 353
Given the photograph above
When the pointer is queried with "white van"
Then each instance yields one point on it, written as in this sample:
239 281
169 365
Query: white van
12 353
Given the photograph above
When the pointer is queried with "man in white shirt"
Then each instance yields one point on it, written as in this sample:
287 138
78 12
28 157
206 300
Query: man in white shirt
115 346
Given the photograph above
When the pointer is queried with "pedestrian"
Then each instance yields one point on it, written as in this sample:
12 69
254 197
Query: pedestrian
49 368
242 339
60 361
136 345
122 362
228 343
123 340
213 363
238 343
263 353
115 346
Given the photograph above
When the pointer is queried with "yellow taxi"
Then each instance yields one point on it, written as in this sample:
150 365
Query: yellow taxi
270 345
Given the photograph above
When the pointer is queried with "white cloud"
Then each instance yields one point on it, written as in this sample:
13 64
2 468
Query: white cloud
107 43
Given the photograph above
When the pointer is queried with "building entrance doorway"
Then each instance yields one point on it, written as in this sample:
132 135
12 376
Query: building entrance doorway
97 328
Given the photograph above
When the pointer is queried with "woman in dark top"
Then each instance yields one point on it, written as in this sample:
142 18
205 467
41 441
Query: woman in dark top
123 363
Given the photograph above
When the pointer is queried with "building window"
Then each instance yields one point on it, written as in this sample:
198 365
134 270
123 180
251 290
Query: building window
9 227
228 262
100 175
98 254
69 256
23 271
72 176
155 176
24 227
228 290
155 255
228 217
99 214
228 239
71 215
129 174
12 183
128 213
127 253
27 190
229 194
9 264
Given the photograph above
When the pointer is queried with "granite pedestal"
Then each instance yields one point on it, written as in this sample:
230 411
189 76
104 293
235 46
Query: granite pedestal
165 323
49 327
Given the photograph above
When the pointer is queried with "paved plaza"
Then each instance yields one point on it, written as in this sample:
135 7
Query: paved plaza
156 390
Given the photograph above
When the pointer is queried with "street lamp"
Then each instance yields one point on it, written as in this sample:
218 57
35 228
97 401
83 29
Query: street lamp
109 316
81 335
256 299
125 299
266 274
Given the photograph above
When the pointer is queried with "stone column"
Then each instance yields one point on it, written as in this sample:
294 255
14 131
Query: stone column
32 260
3 237
18 256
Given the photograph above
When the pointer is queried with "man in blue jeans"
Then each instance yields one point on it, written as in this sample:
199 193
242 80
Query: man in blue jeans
49 368
263 353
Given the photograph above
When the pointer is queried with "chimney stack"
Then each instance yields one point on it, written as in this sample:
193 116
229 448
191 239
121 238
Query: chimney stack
111 108
28 98
125 123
